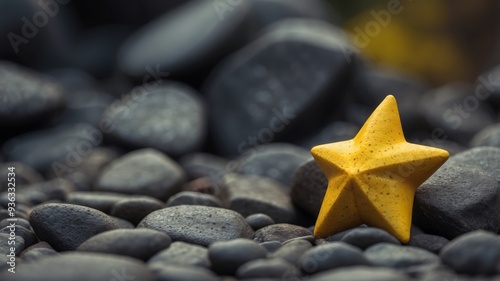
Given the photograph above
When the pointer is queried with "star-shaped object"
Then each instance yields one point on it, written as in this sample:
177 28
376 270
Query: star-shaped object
372 178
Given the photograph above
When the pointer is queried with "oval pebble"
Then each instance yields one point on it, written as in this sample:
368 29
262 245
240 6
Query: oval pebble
309 187
429 242
361 273
292 251
183 273
134 209
364 237
280 232
259 220
227 256
330 256
193 198
399 257
267 268
181 253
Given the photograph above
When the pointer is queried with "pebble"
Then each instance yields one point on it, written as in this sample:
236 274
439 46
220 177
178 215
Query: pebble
193 198
183 273
199 225
486 158
142 172
137 243
271 246
25 175
28 236
292 251
124 224
54 223
489 136
82 267
259 220
19 222
457 199
56 189
164 115
361 273
330 256
183 254
85 106
199 164
364 237
474 253
273 106
5 247
37 251
227 256
255 194
28 98
309 187
277 161
280 232
429 242
135 208
102 201
267 268
398 257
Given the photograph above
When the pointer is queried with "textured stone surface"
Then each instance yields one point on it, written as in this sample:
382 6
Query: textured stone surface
280 232
309 187
183 254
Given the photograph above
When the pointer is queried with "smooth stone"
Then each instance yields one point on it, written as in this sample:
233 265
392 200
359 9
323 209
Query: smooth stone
19 222
486 158
330 256
137 243
25 175
32 195
429 242
489 136
199 164
309 187
276 161
193 198
399 257
183 254
292 251
259 220
267 268
18 244
271 246
102 201
227 256
82 267
167 116
142 172
208 185
280 232
37 251
333 132
199 225
274 108
182 273
54 223
457 199
474 253
365 237
134 209
360 273
85 106
28 236
122 223
250 194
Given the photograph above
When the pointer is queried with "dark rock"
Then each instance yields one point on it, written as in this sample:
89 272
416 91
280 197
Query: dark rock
122 223
254 194
167 116
399 257
28 236
457 199
25 175
183 273
292 251
137 243
267 268
19 244
144 172
489 136
309 187
364 237
274 107
102 201
259 220
227 256
193 198
81 267
134 209
271 246
38 251
66 226
361 273
334 132
199 164
474 253
308 238
280 232
330 256
19 222
486 158
200 225
429 242
181 253
56 189
277 161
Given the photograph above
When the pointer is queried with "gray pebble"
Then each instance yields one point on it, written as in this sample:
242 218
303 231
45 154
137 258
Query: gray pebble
182 273
38 251
330 256
292 251
429 242
361 273
399 257
364 237
181 253
309 187
267 268
193 198
259 220
280 232
227 256
102 201
28 236
135 208
271 246
486 158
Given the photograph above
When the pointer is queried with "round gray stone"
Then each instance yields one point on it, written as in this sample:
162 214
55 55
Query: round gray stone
135 208
280 232
267 268
399 257
361 273
259 220
309 187
193 198
227 256
182 273
330 256
181 253
364 237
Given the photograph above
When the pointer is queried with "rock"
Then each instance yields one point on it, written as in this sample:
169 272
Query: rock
28 98
144 172
167 116
486 158
137 243
429 242
183 273
102 201
123 224
457 199
193 198
54 223
254 194
199 225
19 222
227 256
5 247
267 268
25 175
474 253
134 209
271 246
181 253
333 132
399 257
28 236
199 164
361 273
85 106
259 220
56 189
309 187
280 232
489 136
292 251
38 251
273 107
330 256
277 161
83 266
364 237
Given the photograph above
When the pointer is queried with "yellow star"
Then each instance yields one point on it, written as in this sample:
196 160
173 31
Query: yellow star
372 178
